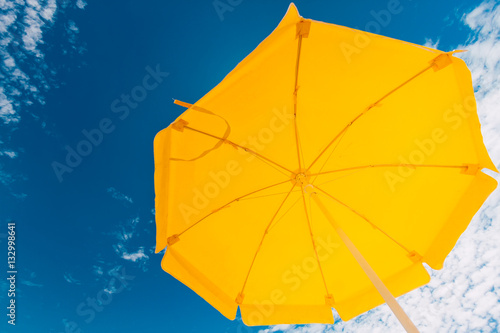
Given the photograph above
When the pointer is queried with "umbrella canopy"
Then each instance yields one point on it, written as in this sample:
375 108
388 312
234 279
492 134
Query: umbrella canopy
330 164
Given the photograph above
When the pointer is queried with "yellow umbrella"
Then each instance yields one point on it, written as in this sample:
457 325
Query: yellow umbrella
323 171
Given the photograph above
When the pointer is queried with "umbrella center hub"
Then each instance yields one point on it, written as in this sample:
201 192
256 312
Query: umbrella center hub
300 178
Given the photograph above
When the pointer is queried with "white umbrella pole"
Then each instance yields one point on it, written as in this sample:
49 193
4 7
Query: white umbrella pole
377 282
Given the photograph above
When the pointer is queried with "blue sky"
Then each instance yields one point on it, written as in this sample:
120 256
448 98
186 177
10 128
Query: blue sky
66 70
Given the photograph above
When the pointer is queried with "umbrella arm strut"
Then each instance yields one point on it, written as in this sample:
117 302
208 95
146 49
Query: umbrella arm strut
375 279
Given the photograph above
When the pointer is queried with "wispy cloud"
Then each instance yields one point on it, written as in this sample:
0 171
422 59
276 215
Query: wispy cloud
483 59
115 271
432 44
81 4
5 177
70 279
25 73
31 284
139 255
126 247
37 15
124 235
22 28
282 328
118 195
98 270
9 153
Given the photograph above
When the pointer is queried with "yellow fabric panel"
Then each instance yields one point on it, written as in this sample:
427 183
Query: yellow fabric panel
286 247
413 213
333 91
271 314
229 240
403 282
196 191
464 80
174 264
352 290
455 225
162 144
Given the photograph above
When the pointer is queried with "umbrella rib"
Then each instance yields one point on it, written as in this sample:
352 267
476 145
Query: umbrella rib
266 195
246 149
364 218
314 245
284 214
230 202
262 239
366 110
392 166
329 156
340 177
295 92
273 166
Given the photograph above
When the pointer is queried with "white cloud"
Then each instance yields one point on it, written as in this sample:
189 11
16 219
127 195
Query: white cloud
98 270
81 4
126 242
126 233
139 255
31 284
9 153
483 59
49 10
72 26
5 177
7 18
119 196
113 272
279 328
20 196
465 295
25 74
432 44
70 279
7 112
36 17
